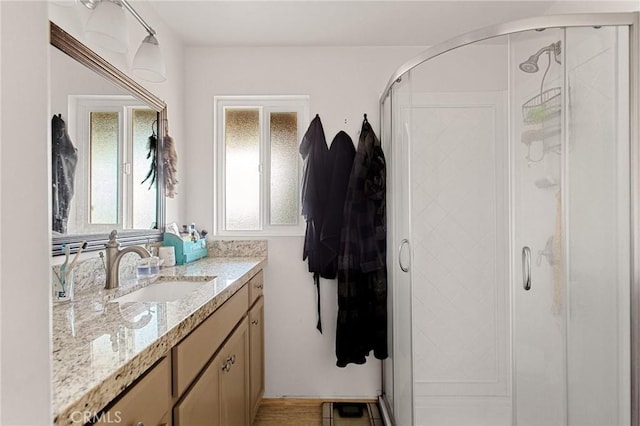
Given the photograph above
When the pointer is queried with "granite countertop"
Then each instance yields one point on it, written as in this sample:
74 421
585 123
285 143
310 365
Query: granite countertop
100 346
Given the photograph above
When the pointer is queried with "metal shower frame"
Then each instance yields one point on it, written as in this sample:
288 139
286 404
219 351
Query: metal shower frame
631 20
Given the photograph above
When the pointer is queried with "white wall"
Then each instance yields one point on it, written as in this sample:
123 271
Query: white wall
25 332
474 68
25 388
609 6
343 83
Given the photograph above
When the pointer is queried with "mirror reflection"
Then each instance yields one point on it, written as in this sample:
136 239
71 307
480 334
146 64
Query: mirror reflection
104 142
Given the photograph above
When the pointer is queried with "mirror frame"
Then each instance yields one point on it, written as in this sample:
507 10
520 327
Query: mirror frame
72 47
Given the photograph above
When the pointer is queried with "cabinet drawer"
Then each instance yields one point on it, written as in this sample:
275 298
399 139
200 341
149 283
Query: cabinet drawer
146 402
192 353
255 284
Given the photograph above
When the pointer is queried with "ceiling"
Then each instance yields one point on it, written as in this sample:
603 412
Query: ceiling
347 23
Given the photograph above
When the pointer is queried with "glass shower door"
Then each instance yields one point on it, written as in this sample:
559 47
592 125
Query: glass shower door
597 226
510 179
538 266
457 163
400 394
570 227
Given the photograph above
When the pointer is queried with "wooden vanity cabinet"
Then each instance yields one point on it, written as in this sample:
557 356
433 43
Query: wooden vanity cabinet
223 390
147 401
213 377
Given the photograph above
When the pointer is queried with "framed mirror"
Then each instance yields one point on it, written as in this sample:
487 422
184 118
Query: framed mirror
107 168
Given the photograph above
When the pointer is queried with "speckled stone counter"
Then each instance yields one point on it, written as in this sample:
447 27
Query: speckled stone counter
100 346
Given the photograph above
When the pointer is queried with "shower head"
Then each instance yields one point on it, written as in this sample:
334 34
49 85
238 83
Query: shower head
531 64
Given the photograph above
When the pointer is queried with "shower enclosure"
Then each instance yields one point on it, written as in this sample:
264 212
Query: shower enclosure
513 214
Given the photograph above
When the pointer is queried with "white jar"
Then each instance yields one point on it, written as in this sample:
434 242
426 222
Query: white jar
168 254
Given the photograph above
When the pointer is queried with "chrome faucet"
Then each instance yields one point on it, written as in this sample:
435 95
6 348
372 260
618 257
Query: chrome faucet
114 255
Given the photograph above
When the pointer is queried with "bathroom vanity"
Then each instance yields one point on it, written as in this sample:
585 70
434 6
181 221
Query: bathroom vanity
187 350
197 359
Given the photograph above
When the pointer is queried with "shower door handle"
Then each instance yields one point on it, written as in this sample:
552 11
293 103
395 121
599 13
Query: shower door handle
403 243
526 268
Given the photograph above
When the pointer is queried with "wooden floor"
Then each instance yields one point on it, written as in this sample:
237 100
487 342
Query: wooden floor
289 412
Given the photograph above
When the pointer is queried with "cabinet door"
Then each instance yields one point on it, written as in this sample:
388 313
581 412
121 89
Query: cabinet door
146 402
256 355
201 404
192 354
234 377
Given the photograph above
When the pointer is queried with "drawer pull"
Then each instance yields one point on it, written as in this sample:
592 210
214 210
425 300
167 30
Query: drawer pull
259 286
254 322
139 424
226 366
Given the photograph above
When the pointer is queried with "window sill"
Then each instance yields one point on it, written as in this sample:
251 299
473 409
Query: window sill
247 235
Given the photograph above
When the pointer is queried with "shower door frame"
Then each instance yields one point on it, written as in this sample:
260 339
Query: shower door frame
632 21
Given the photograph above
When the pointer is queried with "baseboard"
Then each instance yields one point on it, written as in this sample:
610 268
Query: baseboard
308 401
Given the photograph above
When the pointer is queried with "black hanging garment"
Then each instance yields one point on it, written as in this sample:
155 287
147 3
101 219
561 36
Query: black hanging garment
341 155
362 271
324 185
64 158
315 192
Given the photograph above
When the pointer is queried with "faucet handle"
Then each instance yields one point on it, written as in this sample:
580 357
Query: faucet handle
113 242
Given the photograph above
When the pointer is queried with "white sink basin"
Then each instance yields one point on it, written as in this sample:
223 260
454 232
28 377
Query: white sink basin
162 291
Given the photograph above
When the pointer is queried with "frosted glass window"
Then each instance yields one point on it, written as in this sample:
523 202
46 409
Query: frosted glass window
284 200
242 162
144 124
258 164
104 168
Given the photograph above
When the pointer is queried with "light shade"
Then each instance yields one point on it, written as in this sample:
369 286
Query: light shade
107 26
148 64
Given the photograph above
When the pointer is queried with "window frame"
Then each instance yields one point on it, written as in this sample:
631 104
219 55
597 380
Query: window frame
81 107
265 104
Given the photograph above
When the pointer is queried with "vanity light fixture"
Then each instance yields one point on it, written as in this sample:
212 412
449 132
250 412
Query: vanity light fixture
148 64
107 27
